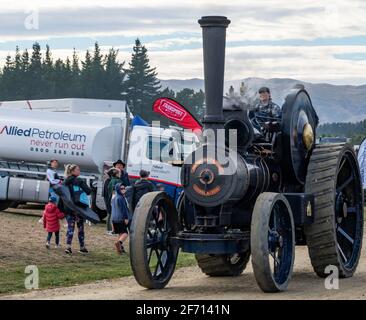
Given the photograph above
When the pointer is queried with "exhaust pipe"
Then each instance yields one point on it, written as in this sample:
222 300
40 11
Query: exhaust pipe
214 39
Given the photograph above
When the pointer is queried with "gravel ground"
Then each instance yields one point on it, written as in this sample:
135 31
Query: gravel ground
191 283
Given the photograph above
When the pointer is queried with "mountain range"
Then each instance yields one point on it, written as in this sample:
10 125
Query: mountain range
333 103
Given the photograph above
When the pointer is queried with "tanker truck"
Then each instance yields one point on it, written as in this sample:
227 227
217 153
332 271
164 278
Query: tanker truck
88 132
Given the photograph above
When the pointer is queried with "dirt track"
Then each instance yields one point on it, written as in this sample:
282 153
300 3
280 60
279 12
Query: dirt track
190 283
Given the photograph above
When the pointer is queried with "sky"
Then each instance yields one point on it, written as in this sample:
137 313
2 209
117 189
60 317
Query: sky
316 41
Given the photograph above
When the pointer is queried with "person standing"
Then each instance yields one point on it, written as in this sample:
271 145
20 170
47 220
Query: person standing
120 216
51 221
72 173
114 174
121 166
141 187
52 176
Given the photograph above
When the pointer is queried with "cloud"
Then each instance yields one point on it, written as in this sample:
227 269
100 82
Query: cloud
264 19
266 38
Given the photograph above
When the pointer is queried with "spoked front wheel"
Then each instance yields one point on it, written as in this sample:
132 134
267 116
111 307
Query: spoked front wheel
153 254
272 242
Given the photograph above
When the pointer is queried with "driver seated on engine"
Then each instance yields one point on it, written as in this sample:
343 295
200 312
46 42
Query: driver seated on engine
266 116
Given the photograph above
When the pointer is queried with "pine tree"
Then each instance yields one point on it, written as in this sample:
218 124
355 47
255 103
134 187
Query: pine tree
192 101
142 85
97 73
35 69
86 76
48 78
68 78
167 93
75 85
7 80
198 104
25 76
114 76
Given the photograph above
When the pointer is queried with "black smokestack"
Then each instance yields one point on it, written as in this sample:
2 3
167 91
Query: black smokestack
214 38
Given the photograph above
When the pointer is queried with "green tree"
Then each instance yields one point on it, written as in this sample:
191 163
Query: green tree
97 74
35 69
25 76
7 80
75 84
142 85
193 101
48 78
167 93
114 76
86 77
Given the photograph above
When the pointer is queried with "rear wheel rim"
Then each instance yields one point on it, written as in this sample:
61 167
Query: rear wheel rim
348 211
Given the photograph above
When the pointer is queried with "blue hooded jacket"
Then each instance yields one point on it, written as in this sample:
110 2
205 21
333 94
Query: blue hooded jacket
120 211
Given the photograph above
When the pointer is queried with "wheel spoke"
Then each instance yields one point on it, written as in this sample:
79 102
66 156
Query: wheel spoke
149 233
274 219
157 263
151 243
165 221
149 257
345 183
342 164
342 253
275 259
344 234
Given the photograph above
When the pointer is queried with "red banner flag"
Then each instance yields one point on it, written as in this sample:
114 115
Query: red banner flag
174 111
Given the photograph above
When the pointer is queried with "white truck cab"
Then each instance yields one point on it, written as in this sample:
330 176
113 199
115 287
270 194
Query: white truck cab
161 151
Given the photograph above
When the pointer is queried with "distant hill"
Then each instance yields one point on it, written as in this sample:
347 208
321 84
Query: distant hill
333 103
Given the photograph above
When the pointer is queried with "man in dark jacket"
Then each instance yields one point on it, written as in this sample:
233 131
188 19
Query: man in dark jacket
120 216
266 116
121 166
141 187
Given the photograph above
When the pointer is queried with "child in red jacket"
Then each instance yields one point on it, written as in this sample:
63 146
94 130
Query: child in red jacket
51 223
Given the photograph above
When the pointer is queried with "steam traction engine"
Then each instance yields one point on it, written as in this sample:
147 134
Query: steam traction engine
258 198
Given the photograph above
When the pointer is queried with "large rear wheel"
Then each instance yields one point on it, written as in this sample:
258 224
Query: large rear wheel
335 237
153 253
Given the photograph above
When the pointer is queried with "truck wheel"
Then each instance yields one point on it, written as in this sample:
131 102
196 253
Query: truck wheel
14 204
5 204
272 242
223 265
335 237
153 252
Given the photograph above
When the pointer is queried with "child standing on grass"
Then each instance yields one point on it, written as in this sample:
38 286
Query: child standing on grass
120 216
51 221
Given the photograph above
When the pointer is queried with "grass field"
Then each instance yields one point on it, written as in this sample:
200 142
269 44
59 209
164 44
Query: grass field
22 243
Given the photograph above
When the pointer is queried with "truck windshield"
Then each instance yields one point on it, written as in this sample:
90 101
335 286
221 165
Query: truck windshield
161 149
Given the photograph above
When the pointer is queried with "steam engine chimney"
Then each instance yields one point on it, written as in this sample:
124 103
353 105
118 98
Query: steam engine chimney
214 38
